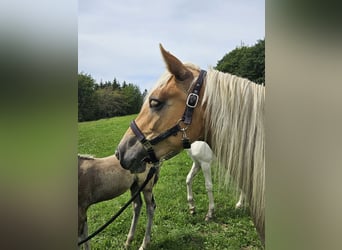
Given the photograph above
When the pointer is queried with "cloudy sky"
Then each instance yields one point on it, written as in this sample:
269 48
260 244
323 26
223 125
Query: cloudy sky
121 38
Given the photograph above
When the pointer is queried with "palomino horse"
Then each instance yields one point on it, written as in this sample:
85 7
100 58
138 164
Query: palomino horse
101 179
189 104
202 157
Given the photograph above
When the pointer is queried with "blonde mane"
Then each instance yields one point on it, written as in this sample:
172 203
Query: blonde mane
234 118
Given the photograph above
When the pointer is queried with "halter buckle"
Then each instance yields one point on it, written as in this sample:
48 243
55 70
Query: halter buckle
147 144
192 100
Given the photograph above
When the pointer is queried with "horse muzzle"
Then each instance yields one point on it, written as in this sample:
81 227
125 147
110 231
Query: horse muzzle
131 154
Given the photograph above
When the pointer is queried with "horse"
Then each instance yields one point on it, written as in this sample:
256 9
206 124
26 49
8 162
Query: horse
101 179
189 104
202 157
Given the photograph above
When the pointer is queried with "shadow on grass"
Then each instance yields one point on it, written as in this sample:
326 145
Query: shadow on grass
236 213
178 242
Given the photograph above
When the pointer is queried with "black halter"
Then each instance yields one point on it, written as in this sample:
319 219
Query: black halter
191 103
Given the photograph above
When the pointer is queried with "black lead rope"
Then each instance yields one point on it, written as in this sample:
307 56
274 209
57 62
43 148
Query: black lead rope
148 178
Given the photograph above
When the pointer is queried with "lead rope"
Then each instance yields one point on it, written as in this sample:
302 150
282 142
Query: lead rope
150 174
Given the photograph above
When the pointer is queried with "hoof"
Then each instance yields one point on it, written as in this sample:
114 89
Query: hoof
208 218
127 245
192 211
238 205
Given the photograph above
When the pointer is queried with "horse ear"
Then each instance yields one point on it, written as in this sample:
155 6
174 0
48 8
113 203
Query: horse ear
175 66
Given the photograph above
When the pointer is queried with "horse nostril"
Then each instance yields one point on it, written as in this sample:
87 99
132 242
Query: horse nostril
120 156
117 154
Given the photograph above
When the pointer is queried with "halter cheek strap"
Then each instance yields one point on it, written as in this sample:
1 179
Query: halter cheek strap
191 104
148 143
193 97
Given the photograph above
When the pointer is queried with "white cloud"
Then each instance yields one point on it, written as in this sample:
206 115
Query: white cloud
120 38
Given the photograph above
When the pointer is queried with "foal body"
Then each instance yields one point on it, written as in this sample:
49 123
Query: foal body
202 157
101 179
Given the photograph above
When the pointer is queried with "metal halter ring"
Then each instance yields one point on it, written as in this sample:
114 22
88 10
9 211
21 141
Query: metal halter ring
180 128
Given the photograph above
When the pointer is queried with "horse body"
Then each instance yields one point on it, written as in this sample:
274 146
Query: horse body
202 157
101 179
229 117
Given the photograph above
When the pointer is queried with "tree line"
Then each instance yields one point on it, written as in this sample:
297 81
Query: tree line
245 61
108 99
112 98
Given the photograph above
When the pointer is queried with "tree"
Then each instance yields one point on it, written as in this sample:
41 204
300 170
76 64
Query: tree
116 84
144 94
106 99
245 61
133 97
86 97
110 103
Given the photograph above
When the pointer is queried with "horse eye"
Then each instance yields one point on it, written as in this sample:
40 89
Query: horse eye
155 104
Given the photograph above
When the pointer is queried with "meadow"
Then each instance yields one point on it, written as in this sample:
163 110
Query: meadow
174 227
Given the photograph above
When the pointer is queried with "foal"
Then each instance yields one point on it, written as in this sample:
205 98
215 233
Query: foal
202 157
101 179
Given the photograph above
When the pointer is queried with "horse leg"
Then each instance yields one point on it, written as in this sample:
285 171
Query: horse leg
137 203
206 169
83 229
239 204
150 207
86 244
192 173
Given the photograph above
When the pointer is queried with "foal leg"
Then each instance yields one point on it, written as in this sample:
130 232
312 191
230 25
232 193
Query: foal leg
85 234
137 203
150 207
83 229
192 173
206 169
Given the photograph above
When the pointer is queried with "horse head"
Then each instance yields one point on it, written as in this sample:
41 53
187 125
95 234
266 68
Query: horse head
171 117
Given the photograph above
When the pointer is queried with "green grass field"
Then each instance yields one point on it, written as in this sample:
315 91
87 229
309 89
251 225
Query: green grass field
174 227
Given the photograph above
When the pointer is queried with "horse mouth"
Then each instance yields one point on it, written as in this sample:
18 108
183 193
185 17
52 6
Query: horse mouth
146 160
132 164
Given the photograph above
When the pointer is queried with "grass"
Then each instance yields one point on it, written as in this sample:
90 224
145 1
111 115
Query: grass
174 227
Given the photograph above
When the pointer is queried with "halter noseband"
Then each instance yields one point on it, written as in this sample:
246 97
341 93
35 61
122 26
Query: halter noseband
191 103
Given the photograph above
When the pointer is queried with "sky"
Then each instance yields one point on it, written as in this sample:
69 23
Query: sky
120 39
